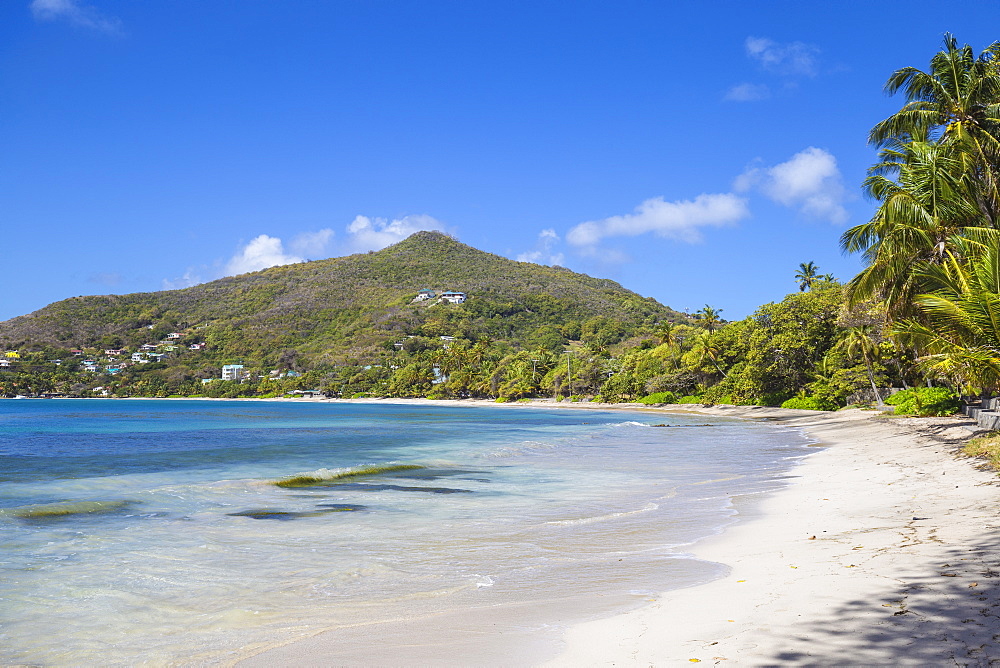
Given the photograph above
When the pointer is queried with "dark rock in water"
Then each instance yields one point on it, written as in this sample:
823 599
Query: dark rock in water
682 425
341 507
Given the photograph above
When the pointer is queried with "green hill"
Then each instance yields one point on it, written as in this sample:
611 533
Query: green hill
346 309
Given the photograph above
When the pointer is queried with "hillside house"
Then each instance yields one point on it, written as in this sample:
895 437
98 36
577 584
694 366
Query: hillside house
114 352
5 364
197 346
12 354
453 297
149 347
173 336
424 295
233 372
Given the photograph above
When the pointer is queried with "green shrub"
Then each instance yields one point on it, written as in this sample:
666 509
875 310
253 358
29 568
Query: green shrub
808 404
924 401
502 400
658 398
690 399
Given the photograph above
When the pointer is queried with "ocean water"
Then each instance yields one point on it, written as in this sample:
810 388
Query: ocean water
153 531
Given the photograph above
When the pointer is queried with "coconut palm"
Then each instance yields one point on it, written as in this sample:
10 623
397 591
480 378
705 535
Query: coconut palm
709 318
955 103
959 335
806 275
928 204
936 179
864 341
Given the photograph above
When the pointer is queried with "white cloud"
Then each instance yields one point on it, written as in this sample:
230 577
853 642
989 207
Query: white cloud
74 12
748 92
680 220
791 59
262 252
108 278
543 252
365 234
810 182
186 281
311 244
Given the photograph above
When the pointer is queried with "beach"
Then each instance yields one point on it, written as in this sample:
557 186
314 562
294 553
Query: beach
875 545
882 549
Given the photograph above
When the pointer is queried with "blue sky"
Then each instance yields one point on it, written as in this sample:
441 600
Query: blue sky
694 152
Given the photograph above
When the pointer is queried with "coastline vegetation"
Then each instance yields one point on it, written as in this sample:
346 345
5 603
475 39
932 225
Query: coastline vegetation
923 315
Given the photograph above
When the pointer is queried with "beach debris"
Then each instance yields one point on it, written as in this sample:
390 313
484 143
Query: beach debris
812 537
695 660
948 575
741 580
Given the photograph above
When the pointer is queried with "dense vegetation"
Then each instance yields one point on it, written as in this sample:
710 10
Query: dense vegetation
923 315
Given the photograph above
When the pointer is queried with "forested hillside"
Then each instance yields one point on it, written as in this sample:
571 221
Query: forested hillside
337 313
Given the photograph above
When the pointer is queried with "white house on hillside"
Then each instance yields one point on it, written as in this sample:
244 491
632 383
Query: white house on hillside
453 297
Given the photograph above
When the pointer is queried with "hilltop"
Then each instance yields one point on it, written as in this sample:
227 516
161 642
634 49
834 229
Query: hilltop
349 308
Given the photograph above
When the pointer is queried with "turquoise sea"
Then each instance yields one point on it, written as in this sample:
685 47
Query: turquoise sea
153 531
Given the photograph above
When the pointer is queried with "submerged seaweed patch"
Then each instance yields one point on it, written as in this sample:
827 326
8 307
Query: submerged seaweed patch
433 474
375 487
285 515
46 511
331 477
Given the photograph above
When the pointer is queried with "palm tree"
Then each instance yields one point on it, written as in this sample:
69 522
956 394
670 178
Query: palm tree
959 335
708 318
936 179
806 275
928 204
707 349
864 341
957 104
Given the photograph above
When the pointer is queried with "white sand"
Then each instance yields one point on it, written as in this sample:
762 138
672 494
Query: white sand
883 550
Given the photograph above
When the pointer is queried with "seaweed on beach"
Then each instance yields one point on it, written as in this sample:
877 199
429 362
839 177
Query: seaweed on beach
51 511
332 477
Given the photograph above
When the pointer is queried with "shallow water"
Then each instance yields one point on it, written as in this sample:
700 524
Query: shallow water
153 531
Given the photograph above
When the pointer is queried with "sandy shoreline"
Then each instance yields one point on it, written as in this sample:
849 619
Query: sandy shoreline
883 550
902 570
